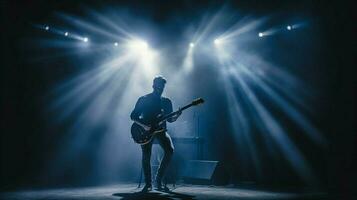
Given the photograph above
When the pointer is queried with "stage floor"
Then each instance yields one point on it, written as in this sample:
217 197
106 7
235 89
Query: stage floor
182 191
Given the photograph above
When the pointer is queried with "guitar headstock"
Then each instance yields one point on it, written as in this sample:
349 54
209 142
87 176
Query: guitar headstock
198 101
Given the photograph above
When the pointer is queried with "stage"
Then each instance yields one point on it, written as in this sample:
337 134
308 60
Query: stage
183 191
227 99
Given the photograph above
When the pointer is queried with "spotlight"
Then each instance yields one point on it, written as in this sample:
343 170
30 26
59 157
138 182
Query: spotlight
115 44
47 28
139 51
85 39
217 41
288 27
261 34
192 44
138 45
66 34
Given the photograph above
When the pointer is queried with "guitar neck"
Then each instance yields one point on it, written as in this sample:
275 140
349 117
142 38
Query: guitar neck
174 113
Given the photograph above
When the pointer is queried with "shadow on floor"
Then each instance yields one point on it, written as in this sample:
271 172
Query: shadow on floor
154 196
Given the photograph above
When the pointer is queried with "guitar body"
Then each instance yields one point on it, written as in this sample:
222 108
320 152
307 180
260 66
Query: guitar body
141 136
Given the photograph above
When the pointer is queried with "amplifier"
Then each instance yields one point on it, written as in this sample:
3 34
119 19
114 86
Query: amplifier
205 172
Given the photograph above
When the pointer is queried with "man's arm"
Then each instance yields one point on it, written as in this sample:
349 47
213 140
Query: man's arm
135 114
137 110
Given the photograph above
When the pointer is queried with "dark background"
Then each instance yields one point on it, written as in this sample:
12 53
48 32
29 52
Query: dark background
24 146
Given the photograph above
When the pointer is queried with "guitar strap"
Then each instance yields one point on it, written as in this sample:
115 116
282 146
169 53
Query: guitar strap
161 107
162 110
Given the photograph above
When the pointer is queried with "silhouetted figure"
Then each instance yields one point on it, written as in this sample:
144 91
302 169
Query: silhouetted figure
146 110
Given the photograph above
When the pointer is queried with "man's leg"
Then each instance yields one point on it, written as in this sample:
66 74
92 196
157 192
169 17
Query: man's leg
168 147
146 156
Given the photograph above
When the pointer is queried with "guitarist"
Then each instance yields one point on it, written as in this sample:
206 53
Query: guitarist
146 111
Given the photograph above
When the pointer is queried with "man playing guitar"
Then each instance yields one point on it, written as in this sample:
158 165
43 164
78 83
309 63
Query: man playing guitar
147 110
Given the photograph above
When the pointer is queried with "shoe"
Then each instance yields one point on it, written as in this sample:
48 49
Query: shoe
147 188
158 184
161 188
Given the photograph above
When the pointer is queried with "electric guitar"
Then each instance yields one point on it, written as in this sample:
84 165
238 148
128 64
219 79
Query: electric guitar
143 135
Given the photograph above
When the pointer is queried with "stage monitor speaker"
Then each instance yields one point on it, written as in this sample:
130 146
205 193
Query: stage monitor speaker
205 172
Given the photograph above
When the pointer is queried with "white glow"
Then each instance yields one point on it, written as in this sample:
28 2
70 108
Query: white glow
47 28
187 64
192 44
288 27
261 34
85 39
115 44
217 41
144 56
66 34
138 46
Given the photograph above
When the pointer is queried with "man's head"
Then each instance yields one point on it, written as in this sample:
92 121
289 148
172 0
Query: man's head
159 85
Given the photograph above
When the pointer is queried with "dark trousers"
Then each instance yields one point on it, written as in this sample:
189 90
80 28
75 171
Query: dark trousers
166 144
